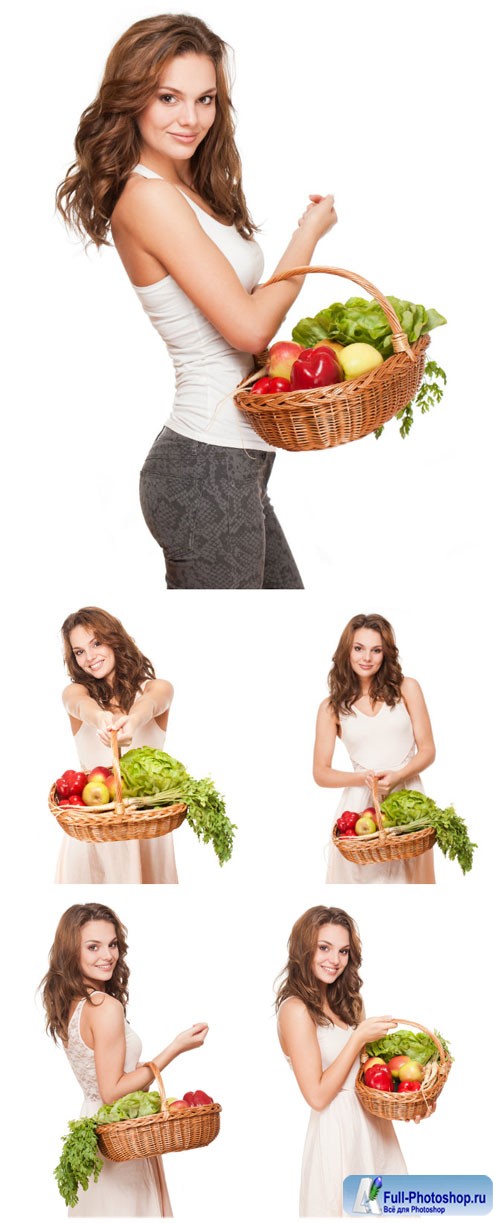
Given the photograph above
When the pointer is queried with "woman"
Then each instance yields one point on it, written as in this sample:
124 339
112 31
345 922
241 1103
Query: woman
113 687
85 996
158 169
382 719
322 1030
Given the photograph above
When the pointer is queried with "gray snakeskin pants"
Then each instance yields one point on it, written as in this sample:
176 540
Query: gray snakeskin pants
208 509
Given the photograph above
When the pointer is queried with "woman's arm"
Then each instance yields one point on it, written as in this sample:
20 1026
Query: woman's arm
153 216
154 703
300 1042
324 747
105 1022
426 752
82 708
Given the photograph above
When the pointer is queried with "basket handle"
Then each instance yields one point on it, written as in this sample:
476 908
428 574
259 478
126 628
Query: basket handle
400 341
115 750
159 1083
378 813
413 1024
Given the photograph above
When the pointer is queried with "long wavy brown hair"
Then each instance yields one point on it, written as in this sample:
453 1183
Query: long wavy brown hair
299 981
345 686
132 668
64 980
108 143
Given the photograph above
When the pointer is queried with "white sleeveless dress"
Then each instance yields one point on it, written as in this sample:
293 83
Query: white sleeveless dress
342 1140
207 368
385 741
135 1188
151 861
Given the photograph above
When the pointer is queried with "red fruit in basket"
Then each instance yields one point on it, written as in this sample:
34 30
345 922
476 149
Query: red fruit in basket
200 1097
75 800
100 773
279 384
69 775
379 1078
365 825
373 1061
65 802
95 793
281 357
78 784
178 1106
349 832
410 1071
395 1062
262 386
347 820
409 1085
189 1098
63 788
315 367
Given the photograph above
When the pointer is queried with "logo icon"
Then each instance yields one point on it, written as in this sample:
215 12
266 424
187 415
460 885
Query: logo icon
366 1198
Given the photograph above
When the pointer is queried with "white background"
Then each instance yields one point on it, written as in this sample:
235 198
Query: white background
391 109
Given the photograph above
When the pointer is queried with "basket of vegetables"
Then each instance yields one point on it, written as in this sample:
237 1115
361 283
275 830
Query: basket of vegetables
177 1125
363 838
153 795
401 1076
347 372
94 806
143 1123
405 825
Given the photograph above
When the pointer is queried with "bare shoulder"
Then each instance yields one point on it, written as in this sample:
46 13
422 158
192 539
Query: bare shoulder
292 1014
325 711
148 198
73 690
104 1009
410 688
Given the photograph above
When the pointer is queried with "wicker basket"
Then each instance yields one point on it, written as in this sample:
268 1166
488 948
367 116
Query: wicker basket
405 1106
385 845
160 1133
121 820
332 415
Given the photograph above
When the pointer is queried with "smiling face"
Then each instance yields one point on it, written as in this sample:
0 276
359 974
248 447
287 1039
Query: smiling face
91 654
332 953
367 653
98 952
182 110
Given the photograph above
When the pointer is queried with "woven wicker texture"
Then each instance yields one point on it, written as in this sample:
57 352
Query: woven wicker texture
161 1133
332 415
117 821
404 1106
383 845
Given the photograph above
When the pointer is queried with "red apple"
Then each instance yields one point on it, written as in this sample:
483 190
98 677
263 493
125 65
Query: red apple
63 787
396 1062
100 773
281 357
411 1071
95 793
178 1106
111 787
365 825
373 1061
409 1085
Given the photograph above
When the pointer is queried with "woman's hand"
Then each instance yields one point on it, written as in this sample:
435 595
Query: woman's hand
320 215
375 1028
431 1109
387 781
104 725
192 1038
124 726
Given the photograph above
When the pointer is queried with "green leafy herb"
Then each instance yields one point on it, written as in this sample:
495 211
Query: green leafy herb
157 778
410 807
428 394
418 1046
80 1162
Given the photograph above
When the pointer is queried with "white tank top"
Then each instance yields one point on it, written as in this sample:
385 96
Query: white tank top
207 368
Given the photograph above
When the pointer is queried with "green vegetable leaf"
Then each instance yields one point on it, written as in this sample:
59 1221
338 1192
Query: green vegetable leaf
158 778
406 806
80 1161
417 1045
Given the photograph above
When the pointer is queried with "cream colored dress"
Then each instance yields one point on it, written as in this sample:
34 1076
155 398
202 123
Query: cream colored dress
135 1188
382 742
343 1140
151 861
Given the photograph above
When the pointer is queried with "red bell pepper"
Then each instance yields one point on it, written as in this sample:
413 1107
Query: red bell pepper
378 1077
315 367
409 1085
